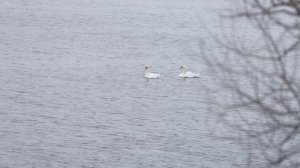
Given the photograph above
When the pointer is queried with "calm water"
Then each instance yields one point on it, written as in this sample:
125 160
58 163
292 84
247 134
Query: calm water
73 94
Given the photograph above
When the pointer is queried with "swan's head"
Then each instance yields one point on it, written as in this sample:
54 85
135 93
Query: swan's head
147 67
183 67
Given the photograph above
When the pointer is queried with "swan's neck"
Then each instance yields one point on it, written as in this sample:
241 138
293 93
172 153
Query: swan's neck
147 71
184 71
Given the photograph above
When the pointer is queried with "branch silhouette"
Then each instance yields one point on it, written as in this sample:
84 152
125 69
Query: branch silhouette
261 81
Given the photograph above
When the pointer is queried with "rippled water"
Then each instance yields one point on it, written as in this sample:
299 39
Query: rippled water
73 94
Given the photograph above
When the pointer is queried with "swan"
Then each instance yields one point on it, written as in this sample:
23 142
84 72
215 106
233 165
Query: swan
150 75
185 74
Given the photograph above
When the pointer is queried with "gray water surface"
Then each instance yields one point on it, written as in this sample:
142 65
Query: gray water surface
73 94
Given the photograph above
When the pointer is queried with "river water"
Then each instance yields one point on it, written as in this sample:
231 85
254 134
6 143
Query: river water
73 94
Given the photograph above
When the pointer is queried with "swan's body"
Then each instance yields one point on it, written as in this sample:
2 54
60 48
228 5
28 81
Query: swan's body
150 75
185 74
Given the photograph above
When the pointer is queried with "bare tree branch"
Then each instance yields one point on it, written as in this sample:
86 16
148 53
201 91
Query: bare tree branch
261 80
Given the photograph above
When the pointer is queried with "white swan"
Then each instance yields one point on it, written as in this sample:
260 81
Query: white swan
150 75
185 74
